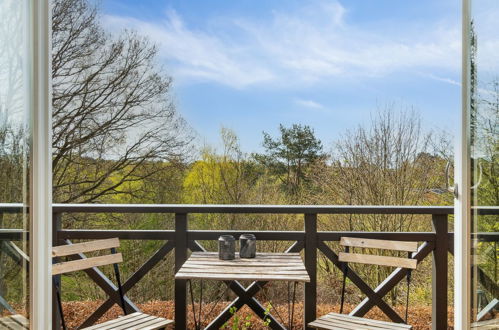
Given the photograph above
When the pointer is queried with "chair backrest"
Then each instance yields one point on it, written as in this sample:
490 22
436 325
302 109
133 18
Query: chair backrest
377 259
85 263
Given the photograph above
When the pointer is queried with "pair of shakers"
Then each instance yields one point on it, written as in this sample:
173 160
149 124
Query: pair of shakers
227 246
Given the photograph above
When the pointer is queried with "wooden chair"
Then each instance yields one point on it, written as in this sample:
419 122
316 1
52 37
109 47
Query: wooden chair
343 321
129 321
14 322
482 325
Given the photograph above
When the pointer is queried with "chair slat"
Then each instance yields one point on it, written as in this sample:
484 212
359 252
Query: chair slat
136 322
379 244
156 323
124 322
66 250
133 321
120 319
325 323
489 324
74 265
344 321
322 324
378 260
366 321
14 322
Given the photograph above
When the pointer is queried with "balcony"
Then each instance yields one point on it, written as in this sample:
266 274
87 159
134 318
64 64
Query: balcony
310 241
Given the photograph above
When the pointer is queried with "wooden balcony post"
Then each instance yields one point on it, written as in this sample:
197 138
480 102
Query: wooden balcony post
440 272
56 226
311 266
180 258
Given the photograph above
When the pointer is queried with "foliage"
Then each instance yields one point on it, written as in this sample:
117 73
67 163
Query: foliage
77 311
221 179
245 323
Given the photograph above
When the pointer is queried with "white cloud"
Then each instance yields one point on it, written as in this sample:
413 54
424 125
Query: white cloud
195 55
309 104
313 44
442 79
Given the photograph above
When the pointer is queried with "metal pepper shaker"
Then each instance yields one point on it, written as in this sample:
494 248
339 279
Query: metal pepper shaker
226 247
247 246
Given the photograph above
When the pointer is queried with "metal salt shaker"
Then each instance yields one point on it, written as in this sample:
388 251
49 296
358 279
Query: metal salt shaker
247 246
226 247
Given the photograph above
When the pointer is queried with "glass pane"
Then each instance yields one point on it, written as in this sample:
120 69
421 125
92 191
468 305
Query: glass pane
484 137
14 151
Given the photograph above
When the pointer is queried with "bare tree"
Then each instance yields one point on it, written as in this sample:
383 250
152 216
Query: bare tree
112 112
13 143
13 104
388 162
486 145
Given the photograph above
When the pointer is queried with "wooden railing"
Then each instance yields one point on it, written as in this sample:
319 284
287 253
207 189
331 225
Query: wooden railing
438 243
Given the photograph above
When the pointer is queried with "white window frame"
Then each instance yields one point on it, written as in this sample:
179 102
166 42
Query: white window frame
41 177
40 204
462 203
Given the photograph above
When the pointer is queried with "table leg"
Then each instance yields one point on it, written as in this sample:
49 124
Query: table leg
200 303
197 321
293 306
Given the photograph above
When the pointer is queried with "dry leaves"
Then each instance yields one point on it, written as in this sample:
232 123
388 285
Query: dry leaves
76 312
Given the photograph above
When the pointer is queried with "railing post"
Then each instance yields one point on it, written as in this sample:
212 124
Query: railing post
56 226
440 272
2 262
180 258
311 266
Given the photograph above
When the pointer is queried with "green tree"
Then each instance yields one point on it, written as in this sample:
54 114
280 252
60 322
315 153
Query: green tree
289 155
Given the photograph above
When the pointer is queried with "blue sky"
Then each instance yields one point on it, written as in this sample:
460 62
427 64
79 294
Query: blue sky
250 65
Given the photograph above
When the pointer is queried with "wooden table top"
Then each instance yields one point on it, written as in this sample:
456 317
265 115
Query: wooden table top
265 267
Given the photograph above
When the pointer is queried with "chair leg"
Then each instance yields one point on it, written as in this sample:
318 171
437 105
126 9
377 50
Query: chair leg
59 303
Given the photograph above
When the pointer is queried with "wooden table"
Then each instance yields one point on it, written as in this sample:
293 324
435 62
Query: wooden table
287 267
265 267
